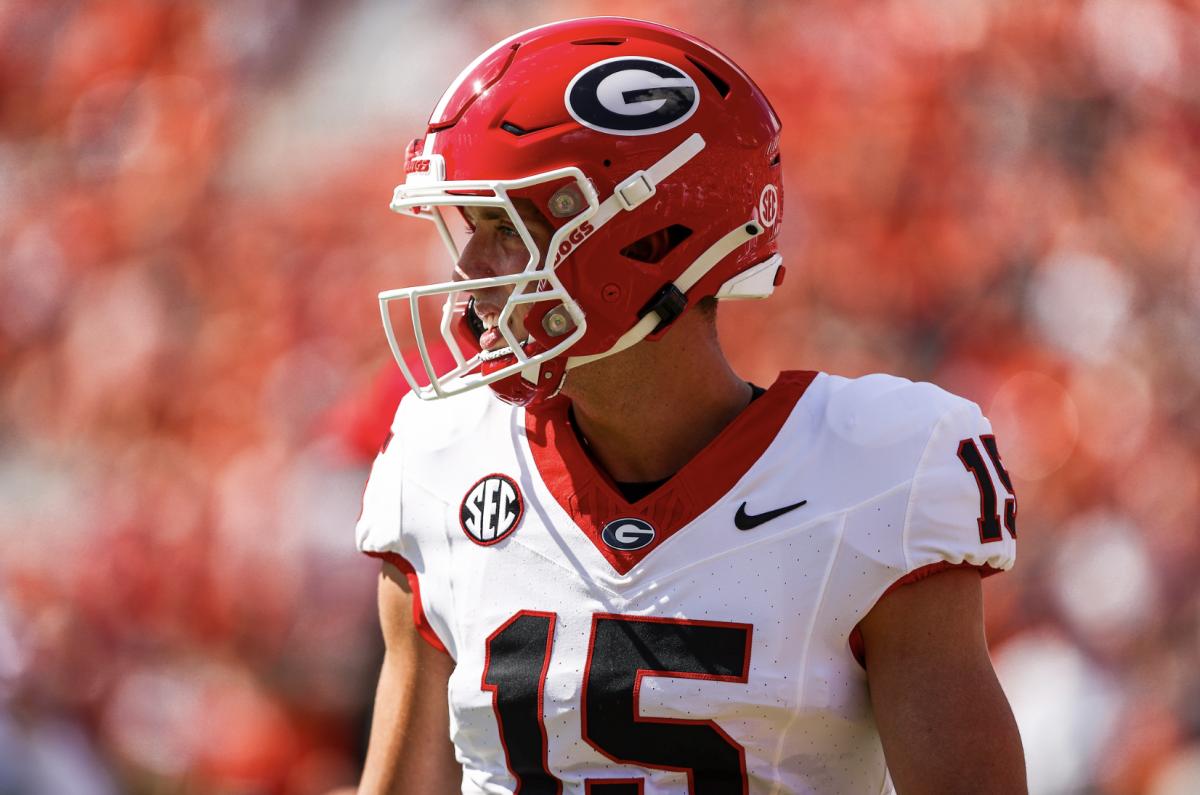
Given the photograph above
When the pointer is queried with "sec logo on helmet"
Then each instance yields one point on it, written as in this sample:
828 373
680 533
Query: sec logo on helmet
768 206
491 510
632 96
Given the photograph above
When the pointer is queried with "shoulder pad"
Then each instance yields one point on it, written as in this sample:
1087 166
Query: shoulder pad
880 410
431 425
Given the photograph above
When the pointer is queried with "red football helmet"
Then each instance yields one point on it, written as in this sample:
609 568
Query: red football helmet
619 132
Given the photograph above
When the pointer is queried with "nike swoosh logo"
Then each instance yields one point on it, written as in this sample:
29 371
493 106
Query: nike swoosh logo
746 521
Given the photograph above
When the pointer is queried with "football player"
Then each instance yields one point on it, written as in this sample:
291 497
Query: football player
612 566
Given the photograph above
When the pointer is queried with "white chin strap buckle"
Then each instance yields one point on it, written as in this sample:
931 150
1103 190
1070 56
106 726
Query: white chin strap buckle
634 190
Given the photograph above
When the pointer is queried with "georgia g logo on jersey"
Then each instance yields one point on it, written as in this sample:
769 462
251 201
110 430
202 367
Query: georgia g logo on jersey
627 534
632 96
491 510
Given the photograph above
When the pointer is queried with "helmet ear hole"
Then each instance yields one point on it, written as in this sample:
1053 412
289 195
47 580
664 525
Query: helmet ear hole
654 247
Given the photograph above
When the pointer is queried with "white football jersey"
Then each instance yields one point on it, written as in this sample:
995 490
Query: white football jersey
702 639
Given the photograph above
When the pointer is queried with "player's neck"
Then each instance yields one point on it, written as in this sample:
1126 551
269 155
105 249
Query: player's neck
649 410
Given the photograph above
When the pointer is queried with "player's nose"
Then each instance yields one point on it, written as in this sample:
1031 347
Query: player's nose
485 254
477 259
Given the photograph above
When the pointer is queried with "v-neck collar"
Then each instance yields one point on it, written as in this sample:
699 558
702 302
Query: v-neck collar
593 502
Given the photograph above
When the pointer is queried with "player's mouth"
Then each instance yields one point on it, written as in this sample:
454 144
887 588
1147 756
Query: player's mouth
485 327
491 339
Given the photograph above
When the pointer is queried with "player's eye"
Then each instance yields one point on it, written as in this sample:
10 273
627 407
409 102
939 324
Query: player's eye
507 230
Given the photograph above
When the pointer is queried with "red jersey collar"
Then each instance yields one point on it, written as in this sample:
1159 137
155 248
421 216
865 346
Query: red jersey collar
589 497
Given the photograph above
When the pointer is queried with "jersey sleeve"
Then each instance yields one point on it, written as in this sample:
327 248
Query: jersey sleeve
961 508
379 532
379 524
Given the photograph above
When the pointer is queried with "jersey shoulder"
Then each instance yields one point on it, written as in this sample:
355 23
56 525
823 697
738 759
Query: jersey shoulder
868 435
428 426
878 409
938 447
427 441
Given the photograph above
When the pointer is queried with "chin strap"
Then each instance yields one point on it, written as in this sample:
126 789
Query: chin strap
757 282
639 186
629 194
653 318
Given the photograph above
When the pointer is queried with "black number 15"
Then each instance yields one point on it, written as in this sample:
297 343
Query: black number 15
989 518
623 650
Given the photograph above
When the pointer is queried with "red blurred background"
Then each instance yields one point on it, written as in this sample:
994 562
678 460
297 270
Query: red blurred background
999 196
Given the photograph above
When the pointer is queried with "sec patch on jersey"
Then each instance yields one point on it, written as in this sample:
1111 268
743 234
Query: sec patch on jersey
491 510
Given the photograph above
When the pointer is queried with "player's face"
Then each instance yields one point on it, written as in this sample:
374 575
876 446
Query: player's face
495 248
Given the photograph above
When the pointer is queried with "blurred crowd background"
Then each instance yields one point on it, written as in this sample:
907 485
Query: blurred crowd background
1000 196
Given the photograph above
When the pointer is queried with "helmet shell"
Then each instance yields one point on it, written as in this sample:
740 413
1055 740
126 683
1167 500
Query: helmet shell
510 115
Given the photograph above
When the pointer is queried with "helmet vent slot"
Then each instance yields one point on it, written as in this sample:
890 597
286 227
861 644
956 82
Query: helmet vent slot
517 130
601 42
655 246
720 85
775 160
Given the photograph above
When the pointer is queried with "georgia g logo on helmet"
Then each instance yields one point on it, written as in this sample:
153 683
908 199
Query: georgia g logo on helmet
632 96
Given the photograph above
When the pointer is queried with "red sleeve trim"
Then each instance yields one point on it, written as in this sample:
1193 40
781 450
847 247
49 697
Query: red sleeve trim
419 619
858 647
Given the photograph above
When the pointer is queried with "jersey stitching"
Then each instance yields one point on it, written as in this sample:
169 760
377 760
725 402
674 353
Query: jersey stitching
453 630
908 508
530 475
581 570
397 431
662 577
762 538
803 667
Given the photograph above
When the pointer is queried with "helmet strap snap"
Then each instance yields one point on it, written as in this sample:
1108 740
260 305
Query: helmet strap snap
668 303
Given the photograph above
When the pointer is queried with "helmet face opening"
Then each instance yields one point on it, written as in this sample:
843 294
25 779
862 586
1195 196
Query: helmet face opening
487 346
653 163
